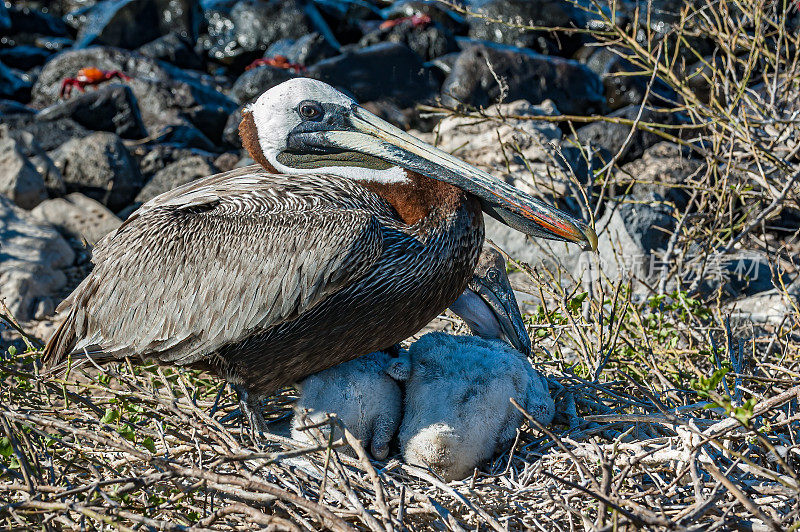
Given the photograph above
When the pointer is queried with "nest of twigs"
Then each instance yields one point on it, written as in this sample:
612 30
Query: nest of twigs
671 415
131 447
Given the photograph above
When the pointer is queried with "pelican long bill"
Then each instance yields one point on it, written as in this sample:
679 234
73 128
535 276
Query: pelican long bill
358 130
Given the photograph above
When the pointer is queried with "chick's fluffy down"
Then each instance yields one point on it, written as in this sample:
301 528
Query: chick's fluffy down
361 393
457 407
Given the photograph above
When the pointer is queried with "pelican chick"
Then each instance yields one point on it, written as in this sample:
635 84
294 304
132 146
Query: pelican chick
457 410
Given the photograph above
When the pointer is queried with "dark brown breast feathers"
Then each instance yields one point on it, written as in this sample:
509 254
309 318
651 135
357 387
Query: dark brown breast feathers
414 201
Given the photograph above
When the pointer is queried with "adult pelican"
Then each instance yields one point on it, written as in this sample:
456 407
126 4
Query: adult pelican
348 236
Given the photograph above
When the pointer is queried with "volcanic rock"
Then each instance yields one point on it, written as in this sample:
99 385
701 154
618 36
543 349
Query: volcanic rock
663 169
110 108
186 136
100 167
173 49
5 18
38 157
630 233
24 56
306 50
436 11
611 137
242 33
153 157
162 91
385 71
255 81
620 90
428 41
209 120
132 23
501 139
13 84
31 257
49 135
19 179
230 136
25 20
10 107
522 74
769 307
78 216
542 13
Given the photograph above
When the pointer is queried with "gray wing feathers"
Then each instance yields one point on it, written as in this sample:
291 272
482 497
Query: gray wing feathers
212 263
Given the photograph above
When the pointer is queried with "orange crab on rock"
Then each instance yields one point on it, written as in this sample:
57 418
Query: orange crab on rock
90 76
417 21
278 61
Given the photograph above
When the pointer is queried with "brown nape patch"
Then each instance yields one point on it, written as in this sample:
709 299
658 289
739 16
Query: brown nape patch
415 200
249 136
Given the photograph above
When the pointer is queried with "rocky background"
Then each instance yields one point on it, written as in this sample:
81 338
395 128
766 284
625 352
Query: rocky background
671 124
76 160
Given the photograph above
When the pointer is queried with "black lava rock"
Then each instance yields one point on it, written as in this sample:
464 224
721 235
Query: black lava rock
650 219
154 157
345 19
48 134
162 91
100 167
255 81
53 44
306 50
242 33
19 180
525 75
545 13
582 162
132 23
13 85
428 40
10 107
230 135
209 120
174 49
186 136
30 148
611 137
111 108
24 56
31 21
386 71
621 89
436 11
5 18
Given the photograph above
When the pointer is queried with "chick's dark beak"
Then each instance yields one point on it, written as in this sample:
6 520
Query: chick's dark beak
490 310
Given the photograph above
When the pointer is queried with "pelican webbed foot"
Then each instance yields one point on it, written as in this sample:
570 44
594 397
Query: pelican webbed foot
250 406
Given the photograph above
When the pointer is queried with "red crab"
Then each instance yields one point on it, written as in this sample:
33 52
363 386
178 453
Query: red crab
416 21
90 76
278 61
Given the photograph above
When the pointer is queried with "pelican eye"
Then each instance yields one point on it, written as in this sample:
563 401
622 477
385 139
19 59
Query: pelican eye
492 275
310 110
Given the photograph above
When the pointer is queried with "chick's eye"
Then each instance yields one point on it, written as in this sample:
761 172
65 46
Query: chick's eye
492 275
309 110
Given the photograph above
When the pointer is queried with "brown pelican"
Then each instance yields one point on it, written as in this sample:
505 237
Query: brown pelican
348 236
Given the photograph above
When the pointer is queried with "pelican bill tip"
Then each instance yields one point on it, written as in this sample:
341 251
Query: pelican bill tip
591 238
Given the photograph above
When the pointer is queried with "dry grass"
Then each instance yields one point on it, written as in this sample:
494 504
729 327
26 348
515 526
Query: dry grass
672 415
